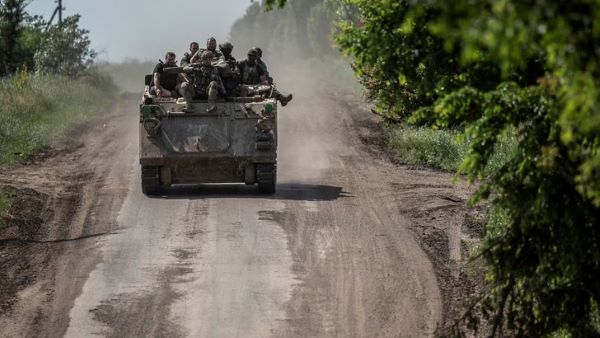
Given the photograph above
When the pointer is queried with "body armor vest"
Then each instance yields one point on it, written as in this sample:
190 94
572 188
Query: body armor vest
203 76
250 75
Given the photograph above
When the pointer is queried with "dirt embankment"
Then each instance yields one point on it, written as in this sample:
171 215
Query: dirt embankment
58 201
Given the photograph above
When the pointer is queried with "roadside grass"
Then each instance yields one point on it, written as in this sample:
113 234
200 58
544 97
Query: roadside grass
38 108
441 149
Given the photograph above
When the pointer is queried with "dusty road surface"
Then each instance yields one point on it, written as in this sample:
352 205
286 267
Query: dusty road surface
334 253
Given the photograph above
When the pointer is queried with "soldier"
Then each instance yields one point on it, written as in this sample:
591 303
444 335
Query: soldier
226 49
211 45
187 57
165 84
260 61
228 69
252 74
206 82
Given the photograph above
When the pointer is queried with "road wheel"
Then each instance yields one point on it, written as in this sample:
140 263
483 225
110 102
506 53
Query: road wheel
266 176
151 180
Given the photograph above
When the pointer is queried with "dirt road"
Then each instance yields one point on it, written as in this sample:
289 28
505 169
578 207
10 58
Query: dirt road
343 249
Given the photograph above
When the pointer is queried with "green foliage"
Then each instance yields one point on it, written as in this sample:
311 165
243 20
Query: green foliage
65 49
443 148
299 31
270 4
526 68
12 17
36 109
428 147
24 44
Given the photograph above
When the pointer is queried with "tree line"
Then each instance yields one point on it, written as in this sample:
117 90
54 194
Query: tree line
487 68
302 29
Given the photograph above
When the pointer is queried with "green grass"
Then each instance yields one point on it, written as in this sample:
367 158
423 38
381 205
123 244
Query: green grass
36 109
441 149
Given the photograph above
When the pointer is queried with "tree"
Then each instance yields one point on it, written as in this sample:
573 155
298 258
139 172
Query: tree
12 16
65 49
492 67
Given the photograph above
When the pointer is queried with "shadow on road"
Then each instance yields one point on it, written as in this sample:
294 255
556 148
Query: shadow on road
285 191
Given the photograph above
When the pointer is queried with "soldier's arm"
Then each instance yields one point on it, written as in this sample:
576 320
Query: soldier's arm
188 69
196 57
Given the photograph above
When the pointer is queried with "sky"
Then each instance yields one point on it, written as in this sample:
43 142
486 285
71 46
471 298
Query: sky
146 29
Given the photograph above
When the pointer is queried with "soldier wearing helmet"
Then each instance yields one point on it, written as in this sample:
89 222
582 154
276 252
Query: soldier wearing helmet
226 49
205 84
260 61
228 69
252 74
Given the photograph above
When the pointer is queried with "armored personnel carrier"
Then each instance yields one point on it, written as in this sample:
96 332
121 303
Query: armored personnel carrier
237 142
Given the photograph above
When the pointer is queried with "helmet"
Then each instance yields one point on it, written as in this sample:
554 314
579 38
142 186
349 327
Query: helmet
259 51
226 45
253 52
206 55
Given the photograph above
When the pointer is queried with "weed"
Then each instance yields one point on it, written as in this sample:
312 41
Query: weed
442 148
37 108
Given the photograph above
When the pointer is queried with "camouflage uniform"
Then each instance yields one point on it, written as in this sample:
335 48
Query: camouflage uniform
230 74
205 84
251 75
185 60
217 55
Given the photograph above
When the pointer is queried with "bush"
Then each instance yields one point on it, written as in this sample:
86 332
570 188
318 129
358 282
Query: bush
65 50
495 67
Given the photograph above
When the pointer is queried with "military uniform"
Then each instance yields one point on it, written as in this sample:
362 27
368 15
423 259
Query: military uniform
205 84
250 74
230 74
217 55
186 59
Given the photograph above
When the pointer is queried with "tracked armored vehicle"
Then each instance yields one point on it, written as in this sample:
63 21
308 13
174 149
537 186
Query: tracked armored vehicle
237 142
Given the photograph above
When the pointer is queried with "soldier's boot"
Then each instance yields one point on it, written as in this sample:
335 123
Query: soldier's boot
187 92
212 96
284 99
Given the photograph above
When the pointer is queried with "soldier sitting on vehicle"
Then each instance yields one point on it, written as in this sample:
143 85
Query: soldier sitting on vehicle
260 61
211 46
228 70
187 57
205 84
165 84
252 74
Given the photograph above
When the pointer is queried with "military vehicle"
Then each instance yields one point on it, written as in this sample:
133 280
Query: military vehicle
237 142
